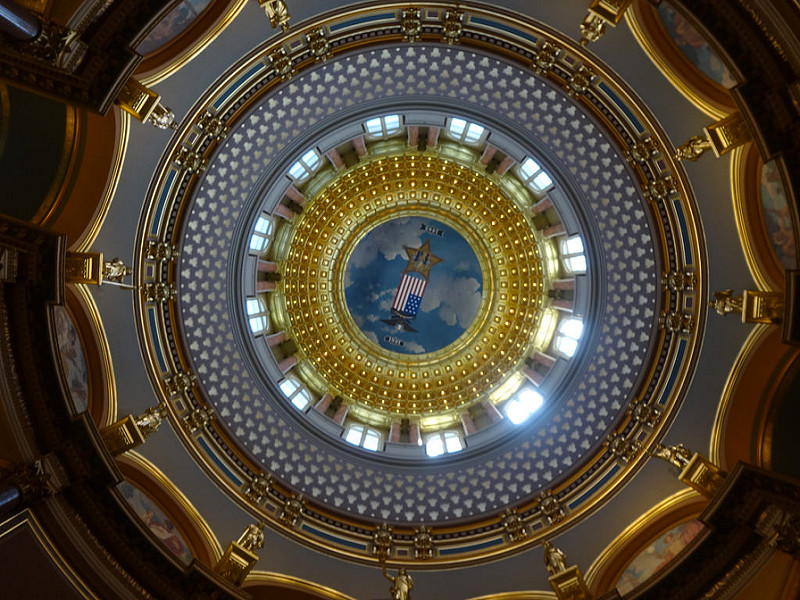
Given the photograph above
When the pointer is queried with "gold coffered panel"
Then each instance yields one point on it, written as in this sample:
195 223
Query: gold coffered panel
495 225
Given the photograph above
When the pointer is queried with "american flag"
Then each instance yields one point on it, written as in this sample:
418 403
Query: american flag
409 295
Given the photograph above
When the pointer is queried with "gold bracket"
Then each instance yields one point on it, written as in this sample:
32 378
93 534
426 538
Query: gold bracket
702 475
727 134
84 267
569 585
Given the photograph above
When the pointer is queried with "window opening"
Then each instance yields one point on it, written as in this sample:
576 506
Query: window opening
362 436
257 314
262 234
526 402
465 131
572 256
443 442
381 127
295 392
532 175
569 332
308 164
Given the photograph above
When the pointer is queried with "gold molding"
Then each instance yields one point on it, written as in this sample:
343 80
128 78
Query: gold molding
141 464
259 578
641 18
756 337
68 162
113 180
532 595
609 565
745 178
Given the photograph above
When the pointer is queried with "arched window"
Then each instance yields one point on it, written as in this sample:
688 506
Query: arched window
363 436
567 336
443 442
257 314
464 131
295 392
572 256
383 127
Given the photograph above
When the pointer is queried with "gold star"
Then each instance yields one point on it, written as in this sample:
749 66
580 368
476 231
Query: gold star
421 260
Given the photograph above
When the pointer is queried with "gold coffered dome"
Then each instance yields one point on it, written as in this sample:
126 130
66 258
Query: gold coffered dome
347 357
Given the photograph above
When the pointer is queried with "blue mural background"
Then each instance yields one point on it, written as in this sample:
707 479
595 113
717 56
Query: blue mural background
777 217
72 358
171 26
694 47
653 558
157 522
451 299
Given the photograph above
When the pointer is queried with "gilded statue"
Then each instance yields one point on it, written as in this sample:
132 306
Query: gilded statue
277 12
678 455
116 270
402 584
725 302
253 537
693 149
554 559
592 29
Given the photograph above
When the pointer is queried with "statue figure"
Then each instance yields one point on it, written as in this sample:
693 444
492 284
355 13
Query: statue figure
278 13
163 118
554 559
253 537
693 149
726 303
592 29
402 584
150 420
116 270
678 455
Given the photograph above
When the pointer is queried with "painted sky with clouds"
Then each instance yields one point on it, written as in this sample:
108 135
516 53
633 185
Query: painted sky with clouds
452 296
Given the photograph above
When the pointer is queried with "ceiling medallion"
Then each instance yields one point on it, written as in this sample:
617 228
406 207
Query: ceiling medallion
338 234
643 225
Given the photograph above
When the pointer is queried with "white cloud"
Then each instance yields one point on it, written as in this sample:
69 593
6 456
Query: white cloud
415 347
457 299
372 337
359 320
372 318
388 240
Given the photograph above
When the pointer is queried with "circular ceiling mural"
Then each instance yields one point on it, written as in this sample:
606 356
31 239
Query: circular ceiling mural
502 272
413 285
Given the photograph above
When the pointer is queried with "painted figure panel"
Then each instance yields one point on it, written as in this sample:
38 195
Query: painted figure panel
777 218
72 359
694 47
157 522
176 22
656 555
